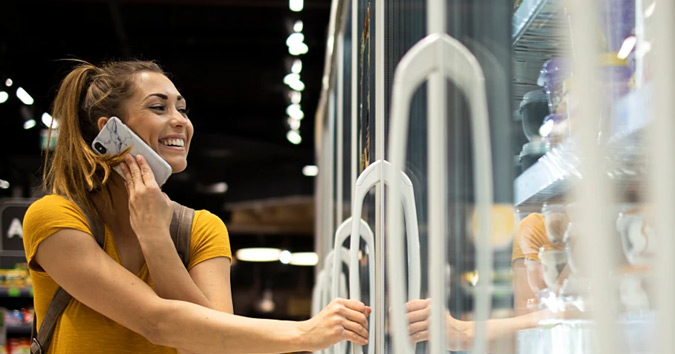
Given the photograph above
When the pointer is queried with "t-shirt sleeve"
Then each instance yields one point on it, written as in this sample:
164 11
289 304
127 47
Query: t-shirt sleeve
530 236
208 239
44 218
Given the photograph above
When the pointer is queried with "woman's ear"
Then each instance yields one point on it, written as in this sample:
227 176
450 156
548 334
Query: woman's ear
101 122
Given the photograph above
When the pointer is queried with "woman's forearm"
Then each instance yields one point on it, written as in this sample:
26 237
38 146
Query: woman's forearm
170 278
191 327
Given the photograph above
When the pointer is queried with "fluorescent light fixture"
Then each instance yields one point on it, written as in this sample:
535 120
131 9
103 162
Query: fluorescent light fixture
4 184
294 124
258 254
310 170
305 259
294 137
295 97
24 96
295 5
214 188
626 47
9 82
298 26
48 121
298 49
29 124
4 96
285 257
294 111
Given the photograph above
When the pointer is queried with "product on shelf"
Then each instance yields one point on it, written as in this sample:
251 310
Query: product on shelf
533 109
551 77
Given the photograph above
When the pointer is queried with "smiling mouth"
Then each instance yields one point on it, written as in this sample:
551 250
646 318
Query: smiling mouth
173 142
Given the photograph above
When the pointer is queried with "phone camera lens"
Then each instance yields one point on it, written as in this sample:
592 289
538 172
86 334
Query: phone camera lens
100 148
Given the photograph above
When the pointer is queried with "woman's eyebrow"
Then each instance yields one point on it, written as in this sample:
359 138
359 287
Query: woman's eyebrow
164 97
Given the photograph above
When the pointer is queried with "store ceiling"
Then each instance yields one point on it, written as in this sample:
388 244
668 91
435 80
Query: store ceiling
228 58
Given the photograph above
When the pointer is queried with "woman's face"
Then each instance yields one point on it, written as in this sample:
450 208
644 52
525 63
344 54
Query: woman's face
158 114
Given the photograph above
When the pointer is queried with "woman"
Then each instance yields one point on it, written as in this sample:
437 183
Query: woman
134 295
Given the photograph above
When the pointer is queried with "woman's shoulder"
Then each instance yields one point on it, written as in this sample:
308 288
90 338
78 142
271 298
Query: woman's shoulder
51 202
53 209
205 218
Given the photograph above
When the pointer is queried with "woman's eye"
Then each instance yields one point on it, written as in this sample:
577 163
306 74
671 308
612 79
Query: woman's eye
184 111
158 108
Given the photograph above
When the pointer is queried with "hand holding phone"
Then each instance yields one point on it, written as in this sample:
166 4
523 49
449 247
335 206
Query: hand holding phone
115 137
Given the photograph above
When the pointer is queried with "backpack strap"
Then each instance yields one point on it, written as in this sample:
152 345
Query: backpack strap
180 229
41 339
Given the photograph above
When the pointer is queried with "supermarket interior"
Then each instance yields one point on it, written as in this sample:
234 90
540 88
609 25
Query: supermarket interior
487 176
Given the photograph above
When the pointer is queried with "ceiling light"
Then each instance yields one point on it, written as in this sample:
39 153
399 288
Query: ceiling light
294 82
285 257
29 124
258 254
9 82
3 96
294 111
297 26
295 96
297 66
4 184
294 137
24 96
298 49
294 124
48 121
310 170
295 5
305 259
295 39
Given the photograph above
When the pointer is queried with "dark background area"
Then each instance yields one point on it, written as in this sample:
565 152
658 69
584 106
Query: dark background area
228 58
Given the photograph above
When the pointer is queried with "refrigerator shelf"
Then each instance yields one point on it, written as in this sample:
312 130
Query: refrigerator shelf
558 170
537 35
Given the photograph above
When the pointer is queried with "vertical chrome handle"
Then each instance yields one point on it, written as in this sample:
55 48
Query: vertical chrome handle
364 232
381 171
460 66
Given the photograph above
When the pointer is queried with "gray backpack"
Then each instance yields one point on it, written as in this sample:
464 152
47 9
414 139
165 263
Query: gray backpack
181 225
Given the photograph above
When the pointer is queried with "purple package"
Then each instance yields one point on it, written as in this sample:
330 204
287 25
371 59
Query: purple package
551 77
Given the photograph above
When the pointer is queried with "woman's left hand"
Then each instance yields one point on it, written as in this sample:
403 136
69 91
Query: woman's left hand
150 209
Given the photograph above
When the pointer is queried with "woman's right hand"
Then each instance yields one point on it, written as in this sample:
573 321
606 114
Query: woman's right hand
342 319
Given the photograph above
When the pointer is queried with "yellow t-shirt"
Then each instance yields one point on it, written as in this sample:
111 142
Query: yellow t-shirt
529 237
81 329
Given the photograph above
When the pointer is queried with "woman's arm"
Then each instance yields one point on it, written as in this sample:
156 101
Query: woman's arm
76 262
150 211
460 334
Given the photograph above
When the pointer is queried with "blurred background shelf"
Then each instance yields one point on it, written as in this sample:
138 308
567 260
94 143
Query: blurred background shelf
12 292
537 35
555 172
19 330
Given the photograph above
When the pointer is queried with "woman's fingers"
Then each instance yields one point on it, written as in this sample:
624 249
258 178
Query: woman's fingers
146 173
358 333
134 170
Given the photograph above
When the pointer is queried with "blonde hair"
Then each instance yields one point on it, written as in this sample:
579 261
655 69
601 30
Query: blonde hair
87 93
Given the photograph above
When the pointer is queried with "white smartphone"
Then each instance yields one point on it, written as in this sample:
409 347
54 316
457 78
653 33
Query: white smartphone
115 137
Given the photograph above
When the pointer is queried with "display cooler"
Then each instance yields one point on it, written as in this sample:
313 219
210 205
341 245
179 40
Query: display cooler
497 176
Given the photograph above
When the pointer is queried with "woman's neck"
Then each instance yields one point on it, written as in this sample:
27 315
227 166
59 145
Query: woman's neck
116 215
